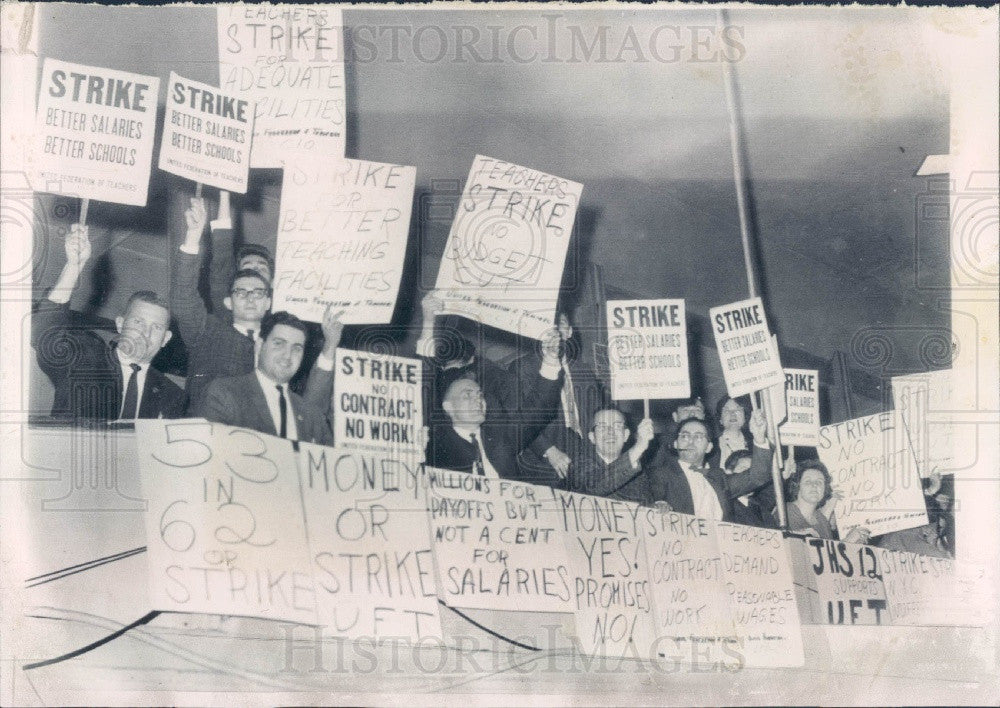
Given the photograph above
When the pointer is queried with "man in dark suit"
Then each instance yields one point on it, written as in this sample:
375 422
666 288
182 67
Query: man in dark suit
601 466
93 379
689 486
218 346
261 400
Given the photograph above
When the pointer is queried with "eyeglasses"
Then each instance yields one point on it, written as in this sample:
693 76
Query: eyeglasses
610 427
255 294
692 436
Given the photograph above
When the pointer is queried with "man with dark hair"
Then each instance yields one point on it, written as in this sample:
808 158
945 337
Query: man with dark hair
94 379
690 487
217 347
261 400
601 465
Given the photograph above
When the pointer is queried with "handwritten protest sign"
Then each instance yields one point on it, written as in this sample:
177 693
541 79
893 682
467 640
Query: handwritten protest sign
206 134
378 404
224 525
647 349
925 590
342 230
691 603
926 402
289 59
873 469
369 544
497 544
504 258
611 594
845 580
94 131
802 401
758 577
749 358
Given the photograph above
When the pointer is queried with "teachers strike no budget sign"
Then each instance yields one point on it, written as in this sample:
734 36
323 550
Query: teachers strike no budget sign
94 132
503 261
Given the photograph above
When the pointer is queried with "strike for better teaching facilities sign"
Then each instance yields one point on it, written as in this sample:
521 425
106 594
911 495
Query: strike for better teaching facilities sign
94 132
206 134
749 360
503 262
647 349
290 59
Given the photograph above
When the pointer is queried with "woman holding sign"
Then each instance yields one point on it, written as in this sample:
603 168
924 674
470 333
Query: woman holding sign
809 489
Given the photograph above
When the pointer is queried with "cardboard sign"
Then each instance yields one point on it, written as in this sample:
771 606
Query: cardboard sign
647 349
369 545
504 258
926 591
497 545
694 619
378 404
847 581
94 132
289 59
926 404
611 593
873 469
342 231
206 134
801 426
758 577
224 526
749 359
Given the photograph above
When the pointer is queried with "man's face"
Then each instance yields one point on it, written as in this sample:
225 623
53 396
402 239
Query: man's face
144 330
464 403
256 262
609 434
249 299
693 442
812 486
691 410
280 355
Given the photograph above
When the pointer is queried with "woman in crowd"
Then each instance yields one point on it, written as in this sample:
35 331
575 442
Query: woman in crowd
809 489
732 415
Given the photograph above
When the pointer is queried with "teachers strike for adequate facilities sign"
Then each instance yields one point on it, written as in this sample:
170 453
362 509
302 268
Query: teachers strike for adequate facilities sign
94 132
504 258
206 134
749 358
290 60
647 349
342 231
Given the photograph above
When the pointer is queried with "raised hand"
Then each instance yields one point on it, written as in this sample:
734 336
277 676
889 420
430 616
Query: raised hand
333 329
559 460
758 427
78 246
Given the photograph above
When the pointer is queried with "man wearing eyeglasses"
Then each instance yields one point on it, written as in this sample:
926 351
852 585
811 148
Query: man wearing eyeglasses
217 347
603 467
689 486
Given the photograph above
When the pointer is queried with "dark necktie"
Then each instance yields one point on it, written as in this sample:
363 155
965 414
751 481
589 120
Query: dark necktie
477 465
250 335
130 403
283 432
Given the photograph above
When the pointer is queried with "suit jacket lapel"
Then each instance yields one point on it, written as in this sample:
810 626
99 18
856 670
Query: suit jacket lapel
259 408
682 499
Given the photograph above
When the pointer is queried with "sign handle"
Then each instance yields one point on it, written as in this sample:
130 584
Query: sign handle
776 471
645 408
197 190
790 462
753 401
84 205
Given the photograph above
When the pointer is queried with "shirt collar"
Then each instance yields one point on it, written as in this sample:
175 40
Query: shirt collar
466 435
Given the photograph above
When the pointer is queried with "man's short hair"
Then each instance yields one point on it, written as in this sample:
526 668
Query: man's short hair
147 296
692 419
735 457
273 319
448 378
255 249
693 401
611 408
249 273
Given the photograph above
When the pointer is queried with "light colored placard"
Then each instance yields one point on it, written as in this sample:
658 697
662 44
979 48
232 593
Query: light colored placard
369 545
923 590
694 619
206 134
224 527
94 131
874 471
378 403
613 608
802 401
290 60
647 349
498 544
342 232
749 358
848 580
928 406
758 576
503 261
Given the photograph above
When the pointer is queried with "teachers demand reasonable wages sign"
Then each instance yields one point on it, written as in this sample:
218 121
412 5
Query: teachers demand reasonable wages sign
206 134
647 349
94 132
503 261
749 358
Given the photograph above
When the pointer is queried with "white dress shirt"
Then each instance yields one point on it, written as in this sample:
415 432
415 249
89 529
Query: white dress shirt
271 396
140 381
706 501
488 469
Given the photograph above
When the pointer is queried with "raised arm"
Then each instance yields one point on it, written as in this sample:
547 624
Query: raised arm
759 473
587 476
319 386
185 302
221 266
